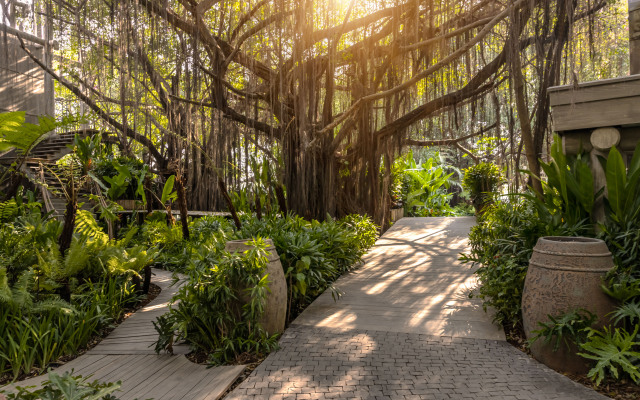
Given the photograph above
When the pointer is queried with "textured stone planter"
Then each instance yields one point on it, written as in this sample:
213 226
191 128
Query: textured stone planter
275 308
565 273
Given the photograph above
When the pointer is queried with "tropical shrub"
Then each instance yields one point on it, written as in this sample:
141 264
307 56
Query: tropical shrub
313 254
37 326
615 352
482 182
122 176
568 197
218 307
425 186
500 246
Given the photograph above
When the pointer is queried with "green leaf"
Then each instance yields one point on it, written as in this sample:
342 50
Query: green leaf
167 191
634 165
616 176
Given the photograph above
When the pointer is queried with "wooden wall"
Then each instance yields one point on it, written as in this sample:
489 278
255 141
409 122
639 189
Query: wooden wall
23 84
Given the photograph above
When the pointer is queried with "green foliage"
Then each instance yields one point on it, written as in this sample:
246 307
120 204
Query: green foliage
313 254
500 245
570 327
623 187
568 193
482 182
613 352
218 308
36 326
168 194
17 134
425 185
121 177
24 136
67 387
258 192
628 312
35 331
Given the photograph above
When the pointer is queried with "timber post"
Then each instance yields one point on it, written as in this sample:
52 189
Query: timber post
634 36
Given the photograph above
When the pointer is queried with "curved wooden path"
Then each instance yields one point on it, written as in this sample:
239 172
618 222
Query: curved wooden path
127 355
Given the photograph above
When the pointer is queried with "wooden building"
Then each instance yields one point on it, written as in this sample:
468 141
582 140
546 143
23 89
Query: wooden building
595 116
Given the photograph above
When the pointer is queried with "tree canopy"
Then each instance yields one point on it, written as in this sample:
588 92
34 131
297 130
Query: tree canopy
329 91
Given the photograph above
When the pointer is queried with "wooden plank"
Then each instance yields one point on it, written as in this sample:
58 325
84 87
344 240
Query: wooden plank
215 387
163 379
611 112
604 89
130 366
153 365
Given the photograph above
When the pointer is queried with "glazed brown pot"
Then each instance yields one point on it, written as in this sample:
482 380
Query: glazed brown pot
565 273
275 307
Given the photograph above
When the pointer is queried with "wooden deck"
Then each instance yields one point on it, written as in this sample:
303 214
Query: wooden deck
127 355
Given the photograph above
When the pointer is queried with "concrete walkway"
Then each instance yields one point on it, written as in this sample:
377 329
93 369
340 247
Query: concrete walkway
127 355
405 329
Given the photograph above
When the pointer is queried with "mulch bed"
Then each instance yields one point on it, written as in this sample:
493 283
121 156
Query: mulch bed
619 390
154 291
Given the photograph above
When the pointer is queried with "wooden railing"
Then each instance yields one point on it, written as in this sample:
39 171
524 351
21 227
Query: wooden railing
46 197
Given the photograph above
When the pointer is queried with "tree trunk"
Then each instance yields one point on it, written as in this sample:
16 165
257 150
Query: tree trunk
182 205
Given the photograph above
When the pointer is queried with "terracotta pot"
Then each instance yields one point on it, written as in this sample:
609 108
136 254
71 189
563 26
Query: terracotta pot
565 273
275 308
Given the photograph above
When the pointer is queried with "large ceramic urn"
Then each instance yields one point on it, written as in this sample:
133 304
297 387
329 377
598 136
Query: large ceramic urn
275 307
565 273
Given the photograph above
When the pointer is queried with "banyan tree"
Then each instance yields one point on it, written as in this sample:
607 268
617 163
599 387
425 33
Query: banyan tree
327 91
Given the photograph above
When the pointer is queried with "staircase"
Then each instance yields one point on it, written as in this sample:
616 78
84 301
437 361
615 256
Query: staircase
40 165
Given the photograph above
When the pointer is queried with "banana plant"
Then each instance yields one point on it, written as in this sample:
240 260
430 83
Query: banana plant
622 201
568 197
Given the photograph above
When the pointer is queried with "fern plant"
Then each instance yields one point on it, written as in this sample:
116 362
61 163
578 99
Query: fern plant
17 134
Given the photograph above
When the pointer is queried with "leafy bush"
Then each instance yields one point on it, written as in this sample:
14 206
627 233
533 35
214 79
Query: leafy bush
568 193
501 245
121 175
35 331
425 185
36 325
218 308
482 181
313 254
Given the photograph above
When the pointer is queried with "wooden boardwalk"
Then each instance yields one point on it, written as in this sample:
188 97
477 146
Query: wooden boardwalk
127 355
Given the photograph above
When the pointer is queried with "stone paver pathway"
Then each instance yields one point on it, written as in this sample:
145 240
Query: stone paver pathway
405 329
127 355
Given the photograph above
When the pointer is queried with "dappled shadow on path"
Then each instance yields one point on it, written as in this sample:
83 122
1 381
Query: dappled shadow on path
412 281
